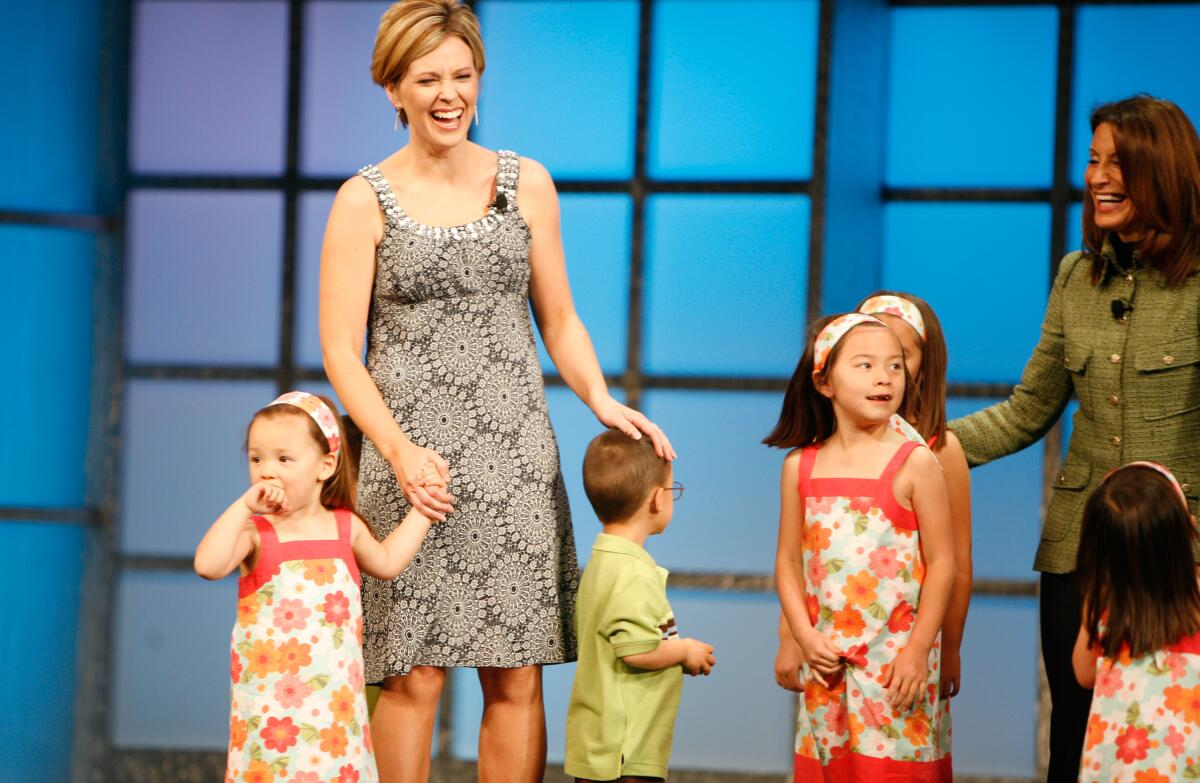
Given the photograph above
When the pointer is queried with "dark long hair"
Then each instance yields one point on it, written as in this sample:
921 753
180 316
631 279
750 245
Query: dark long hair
807 416
1136 570
926 397
1159 155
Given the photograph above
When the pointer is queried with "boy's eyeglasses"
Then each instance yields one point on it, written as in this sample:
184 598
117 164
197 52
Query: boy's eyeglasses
676 490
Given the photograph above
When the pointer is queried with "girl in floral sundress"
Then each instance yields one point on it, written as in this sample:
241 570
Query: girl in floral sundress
299 710
865 561
1139 642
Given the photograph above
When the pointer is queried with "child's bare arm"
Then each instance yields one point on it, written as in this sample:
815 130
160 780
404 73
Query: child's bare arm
386 559
695 656
231 538
958 490
1083 660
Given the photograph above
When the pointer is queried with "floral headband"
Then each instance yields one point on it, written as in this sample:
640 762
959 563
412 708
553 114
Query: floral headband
1160 469
897 306
833 332
314 406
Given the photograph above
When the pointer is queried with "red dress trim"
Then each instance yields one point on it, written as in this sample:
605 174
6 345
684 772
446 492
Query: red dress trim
853 768
274 553
879 489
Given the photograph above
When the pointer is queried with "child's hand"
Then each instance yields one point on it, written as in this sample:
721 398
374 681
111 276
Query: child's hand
266 498
821 655
951 672
906 678
430 476
698 657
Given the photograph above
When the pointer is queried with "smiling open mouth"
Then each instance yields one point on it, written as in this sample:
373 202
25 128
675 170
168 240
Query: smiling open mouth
880 398
447 118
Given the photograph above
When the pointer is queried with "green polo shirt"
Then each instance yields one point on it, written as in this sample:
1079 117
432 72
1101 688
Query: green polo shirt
621 719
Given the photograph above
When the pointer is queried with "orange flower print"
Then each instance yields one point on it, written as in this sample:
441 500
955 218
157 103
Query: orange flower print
862 505
333 741
347 774
816 572
262 658
848 622
916 728
248 610
874 714
1108 680
919 571
1150 776
816 695
808 747
320 572
901 618
860 589
293 656
259 772
291 691
235 666
816 537
1184 701
291 615
237 732
1133 744
342 704
1096 729
856 729
337 608
814 608
279 735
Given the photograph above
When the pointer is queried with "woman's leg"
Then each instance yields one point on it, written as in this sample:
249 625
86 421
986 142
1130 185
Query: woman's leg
402 726
1061 610
512 737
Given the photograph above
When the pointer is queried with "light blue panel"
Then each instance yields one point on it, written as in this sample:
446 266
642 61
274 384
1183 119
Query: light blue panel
203 277
984 269
41 563
728 106
171 682
183 459
561 83
1163 64
596 230
995 716
468 711
208 86
1068 422
46 341
998 128
49 52
1074 227
737 718
313 212
1006 507
728 518
346 119
726 284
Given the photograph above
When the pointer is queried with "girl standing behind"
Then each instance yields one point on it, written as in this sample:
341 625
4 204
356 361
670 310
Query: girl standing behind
865 577
1139 642
299 711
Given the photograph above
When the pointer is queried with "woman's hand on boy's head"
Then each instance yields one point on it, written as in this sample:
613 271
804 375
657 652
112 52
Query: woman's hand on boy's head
266 498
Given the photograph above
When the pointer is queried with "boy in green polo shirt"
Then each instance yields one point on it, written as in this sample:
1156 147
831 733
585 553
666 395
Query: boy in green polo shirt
621 718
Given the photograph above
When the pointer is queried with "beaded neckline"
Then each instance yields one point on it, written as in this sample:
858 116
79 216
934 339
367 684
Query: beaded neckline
507 170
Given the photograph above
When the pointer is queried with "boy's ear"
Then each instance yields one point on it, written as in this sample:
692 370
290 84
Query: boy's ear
656 504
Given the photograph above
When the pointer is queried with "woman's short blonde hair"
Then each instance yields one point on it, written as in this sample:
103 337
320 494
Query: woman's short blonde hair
411 29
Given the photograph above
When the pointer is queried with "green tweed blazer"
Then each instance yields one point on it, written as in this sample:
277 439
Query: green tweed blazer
1137 380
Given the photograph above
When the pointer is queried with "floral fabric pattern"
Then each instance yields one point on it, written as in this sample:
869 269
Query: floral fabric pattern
299 708
450 347
863 573
1144 726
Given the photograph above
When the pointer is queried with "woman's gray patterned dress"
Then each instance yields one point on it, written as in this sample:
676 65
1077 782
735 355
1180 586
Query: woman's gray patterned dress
450 347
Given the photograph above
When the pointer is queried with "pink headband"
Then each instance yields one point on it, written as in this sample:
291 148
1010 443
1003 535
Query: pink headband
897 306
1159 468
320 412
833 332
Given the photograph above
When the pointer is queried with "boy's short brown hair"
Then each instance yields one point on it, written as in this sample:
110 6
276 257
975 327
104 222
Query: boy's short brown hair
619 473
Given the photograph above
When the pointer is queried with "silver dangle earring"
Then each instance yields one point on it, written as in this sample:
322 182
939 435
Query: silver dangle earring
476 115
396 124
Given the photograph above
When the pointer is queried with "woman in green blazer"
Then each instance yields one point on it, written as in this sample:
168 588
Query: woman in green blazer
1122 332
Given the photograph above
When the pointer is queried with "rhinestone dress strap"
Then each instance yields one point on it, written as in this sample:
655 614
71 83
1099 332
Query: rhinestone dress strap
507 175
383 192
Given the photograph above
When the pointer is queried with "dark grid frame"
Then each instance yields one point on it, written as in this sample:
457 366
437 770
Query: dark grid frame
94 757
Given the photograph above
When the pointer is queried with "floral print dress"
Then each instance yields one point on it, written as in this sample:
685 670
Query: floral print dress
863 571
1144 726
299 708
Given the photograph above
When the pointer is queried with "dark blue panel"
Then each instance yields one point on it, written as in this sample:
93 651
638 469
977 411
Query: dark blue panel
1006 507
314 210
732 106
955 255
561 83
971 101
208 88
726 284
347 120
1158 55
49 55
203 279
595 231
41 564
182 451
718 438
46 341
1075 227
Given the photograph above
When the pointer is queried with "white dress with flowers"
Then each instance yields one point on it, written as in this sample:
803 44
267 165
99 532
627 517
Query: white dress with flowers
863 572
299 709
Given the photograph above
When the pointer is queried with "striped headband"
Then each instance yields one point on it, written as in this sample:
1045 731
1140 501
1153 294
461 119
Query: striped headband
1160 469
833 332
315 407
897 306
